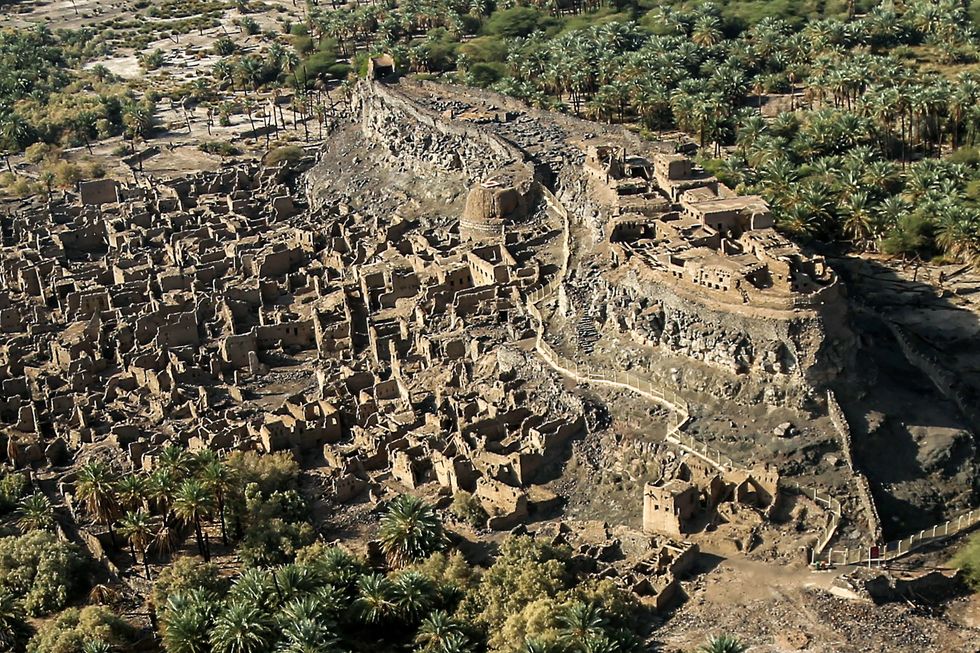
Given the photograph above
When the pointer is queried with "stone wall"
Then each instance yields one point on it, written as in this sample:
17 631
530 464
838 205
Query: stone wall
948 384
865 498
423 139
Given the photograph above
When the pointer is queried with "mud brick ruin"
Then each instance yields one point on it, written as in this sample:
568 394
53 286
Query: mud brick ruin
388 328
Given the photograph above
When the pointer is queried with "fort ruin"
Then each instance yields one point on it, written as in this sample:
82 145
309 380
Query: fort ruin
428 304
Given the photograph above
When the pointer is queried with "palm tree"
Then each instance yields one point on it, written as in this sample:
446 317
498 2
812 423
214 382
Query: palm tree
15 132
651 102
435 629
97 490
957 232
186 621
601 643
410 531
161 487
193 504
308 636
706 31
881 175
534 645
137 528
14 629
723 644
219 479
250 70
223 72
602 104
374 603
131 490
964 96
35 513
750 129
456 643
889 212
255 586
579 623
339 568
294 580
308 627
138 119
177 460
858 223
413 595
242 628
303 607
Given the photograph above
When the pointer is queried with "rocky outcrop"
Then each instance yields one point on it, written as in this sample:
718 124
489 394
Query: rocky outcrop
777 361
761 354
425 140
503 188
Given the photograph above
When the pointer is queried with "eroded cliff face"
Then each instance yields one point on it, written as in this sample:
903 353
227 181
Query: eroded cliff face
751 356
787 358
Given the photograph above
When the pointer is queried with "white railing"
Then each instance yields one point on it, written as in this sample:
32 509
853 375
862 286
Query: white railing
584 373
880 555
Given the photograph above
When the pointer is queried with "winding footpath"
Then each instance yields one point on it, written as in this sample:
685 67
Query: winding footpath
643 387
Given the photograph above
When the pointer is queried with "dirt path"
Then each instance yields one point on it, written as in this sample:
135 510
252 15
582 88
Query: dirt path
776 608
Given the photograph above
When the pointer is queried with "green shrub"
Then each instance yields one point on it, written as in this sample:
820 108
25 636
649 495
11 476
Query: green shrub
38 152
153 60
13 485
485 75
249 24
290 153
224 46
339 70
485 49
912 235
221 148
315 66
966 155
271 472
968 559
467 508
42 571
274 527
186 573
519 22
73 630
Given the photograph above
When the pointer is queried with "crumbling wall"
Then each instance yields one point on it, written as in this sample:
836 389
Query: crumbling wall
865 498
945 381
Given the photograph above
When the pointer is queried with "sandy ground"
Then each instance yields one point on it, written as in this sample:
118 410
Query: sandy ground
777 609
